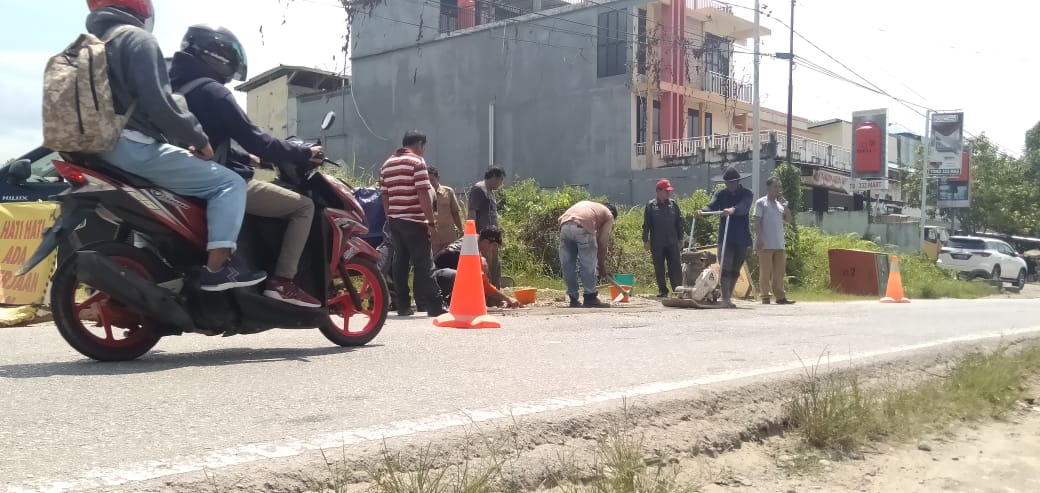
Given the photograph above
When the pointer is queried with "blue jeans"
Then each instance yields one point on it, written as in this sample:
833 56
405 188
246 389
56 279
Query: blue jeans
579 256
178 171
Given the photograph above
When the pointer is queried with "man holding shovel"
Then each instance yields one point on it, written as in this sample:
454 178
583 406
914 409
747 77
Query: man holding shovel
734 202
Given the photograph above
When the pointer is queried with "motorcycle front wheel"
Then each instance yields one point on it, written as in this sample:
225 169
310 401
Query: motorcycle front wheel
350 325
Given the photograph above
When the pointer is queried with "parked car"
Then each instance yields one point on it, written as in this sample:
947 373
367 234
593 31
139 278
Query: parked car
975 257
32 177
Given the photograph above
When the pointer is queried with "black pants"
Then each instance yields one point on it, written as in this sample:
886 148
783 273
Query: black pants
446 282
731 263
411 242
669 255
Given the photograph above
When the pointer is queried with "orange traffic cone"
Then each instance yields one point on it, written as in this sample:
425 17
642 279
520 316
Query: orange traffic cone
894 291
468 309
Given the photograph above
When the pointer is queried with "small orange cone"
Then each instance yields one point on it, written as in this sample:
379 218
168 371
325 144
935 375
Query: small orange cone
468 309
894 291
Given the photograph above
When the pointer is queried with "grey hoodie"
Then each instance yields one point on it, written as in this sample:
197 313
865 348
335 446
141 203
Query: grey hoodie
137 71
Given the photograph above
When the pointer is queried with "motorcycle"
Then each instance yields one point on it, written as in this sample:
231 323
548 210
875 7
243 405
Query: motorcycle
114 300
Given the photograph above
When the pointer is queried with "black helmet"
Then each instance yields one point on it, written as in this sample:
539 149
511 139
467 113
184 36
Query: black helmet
219 49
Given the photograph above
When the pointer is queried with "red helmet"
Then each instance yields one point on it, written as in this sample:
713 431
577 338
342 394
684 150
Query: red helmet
142 8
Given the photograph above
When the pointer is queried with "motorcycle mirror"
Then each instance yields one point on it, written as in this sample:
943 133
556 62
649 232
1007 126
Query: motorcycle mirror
19 171
329 119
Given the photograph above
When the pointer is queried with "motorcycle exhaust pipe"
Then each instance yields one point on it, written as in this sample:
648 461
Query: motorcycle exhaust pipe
130 289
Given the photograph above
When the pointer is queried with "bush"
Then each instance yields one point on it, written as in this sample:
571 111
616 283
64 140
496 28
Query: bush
529 216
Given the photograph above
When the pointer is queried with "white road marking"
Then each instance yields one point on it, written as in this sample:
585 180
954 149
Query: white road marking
154 469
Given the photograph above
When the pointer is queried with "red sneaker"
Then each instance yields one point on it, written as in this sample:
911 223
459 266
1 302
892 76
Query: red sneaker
287 291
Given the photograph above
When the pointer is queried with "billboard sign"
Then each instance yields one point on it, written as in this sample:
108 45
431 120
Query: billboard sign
870 149
946 146
955 190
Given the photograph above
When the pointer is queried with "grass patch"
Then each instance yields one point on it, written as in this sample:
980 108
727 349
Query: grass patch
621 467
835 412
620 464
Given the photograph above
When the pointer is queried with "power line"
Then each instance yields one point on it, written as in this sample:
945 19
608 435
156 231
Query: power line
875 88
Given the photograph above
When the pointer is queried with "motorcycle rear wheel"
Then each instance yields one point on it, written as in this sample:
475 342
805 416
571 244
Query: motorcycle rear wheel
138 336
340 327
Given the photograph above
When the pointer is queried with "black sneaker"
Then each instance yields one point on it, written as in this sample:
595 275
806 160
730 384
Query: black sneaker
574 302
232 275
765 301
592 301
407 312
784 301
435 310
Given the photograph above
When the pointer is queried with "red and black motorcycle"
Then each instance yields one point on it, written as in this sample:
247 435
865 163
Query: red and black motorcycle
114 300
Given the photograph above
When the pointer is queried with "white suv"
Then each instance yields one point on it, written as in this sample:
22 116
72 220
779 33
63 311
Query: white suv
976 257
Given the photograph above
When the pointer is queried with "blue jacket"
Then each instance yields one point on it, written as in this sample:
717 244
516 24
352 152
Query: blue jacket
223 120
739 223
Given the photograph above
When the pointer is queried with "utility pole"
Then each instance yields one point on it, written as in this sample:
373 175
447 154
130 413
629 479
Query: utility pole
924 169
790 88
756 133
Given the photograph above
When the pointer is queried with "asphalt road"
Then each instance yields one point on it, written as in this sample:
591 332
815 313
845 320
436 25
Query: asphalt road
68 424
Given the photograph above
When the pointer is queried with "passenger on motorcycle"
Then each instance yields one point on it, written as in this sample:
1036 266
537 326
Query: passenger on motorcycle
137 71
213 56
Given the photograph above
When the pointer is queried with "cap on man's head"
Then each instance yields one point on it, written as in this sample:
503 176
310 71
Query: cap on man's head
665 185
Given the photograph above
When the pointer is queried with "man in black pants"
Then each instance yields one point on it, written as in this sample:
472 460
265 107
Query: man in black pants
662 233
408 200
735 203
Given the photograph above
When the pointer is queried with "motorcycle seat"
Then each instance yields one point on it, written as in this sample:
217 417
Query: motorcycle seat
97 164
100 165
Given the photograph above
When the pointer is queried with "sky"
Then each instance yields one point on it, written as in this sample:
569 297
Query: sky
944 54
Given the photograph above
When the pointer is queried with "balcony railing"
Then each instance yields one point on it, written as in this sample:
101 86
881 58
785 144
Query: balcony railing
725 86
708 4
804 150
490 11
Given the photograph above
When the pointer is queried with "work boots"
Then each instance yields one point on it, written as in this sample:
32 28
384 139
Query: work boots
592 301
727 286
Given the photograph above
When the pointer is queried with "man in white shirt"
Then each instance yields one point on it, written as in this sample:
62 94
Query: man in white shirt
771 213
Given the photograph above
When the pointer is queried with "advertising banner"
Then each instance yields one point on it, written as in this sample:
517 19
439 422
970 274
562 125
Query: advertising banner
869 149
947 144
21 231
955 191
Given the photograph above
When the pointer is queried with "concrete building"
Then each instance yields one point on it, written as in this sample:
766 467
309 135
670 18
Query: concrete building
271 103
611 95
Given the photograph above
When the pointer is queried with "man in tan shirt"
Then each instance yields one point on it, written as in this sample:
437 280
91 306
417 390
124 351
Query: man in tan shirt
585 231
449 213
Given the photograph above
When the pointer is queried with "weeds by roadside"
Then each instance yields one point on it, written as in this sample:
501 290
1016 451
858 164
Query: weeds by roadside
620 465
835 412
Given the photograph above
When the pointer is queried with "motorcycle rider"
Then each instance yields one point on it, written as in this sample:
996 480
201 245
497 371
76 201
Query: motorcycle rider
137 71
214 54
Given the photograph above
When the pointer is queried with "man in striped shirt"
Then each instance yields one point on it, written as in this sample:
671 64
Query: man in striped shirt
408 199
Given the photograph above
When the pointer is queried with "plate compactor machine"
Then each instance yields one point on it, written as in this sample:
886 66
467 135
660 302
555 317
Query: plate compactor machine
701 273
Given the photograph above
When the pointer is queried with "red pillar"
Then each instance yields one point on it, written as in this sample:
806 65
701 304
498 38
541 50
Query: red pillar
673 105
467 16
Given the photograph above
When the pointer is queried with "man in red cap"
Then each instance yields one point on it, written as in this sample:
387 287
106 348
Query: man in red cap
662 234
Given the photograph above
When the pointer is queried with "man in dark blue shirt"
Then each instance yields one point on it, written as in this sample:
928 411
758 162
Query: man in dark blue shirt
210 57
735 203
